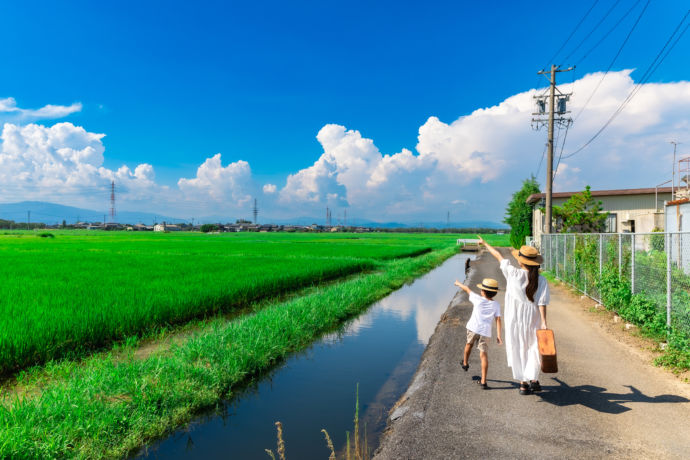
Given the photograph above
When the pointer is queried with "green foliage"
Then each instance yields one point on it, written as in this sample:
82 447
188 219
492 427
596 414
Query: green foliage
657 241
207 228
519 213
580 214
646 308
108 406
615 293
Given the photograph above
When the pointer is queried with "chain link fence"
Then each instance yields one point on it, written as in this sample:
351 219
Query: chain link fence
653 265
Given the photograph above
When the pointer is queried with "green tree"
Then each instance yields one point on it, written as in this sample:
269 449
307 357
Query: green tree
581 213
519 213
206 228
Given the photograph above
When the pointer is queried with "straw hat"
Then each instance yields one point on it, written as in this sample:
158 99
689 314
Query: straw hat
528 255
488 284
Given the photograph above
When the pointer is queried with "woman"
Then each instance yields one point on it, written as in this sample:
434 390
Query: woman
527 295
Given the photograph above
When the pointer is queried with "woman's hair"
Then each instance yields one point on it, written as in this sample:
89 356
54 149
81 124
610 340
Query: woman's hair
532 281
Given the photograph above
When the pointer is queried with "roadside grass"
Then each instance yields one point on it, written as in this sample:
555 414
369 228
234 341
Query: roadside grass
107 407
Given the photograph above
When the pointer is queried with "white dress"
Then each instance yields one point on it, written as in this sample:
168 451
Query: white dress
522 320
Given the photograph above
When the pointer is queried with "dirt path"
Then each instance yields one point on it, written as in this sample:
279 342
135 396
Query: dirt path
606 400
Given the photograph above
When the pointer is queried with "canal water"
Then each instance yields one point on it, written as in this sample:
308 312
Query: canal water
315 389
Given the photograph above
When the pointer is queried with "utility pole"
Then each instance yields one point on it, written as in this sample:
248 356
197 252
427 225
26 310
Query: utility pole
562 99
673 173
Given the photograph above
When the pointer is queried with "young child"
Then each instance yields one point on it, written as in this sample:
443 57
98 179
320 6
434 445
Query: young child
479 326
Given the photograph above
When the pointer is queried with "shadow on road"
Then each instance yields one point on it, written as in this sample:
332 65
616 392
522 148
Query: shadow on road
597 398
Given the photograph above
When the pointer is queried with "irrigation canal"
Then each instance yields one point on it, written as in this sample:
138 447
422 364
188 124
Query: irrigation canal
315 389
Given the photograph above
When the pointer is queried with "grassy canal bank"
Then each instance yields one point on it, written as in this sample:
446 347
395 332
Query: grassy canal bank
112 402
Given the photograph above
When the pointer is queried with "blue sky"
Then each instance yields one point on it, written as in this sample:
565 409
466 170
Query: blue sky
171 84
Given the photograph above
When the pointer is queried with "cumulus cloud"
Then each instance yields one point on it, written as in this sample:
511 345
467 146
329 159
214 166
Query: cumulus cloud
479 159
352 172
48 162
219 183
10 112
468 166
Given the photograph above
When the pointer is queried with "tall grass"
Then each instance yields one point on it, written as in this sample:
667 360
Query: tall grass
359 450
107 407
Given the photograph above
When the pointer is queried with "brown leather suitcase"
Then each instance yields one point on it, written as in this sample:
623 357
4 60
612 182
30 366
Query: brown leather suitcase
547 351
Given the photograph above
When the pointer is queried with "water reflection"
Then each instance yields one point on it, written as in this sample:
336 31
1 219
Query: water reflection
315 389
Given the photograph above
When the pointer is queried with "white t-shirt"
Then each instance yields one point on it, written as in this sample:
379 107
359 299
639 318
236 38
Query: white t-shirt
483 314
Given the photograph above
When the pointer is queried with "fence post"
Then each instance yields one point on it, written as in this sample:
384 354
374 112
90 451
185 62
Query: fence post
557 257
669 246
551 251
565 256
620 255
632 263
601 246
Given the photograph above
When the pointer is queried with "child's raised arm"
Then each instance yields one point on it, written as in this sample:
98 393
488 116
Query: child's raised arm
462 286
490 248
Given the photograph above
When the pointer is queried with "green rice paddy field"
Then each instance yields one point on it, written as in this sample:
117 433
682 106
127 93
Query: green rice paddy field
65 295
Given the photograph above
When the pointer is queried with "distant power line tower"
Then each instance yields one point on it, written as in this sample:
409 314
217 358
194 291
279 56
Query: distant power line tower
448 219
255 211
345 218
112 201
328 217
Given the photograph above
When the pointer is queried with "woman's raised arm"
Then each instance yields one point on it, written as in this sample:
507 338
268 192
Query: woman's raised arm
490 248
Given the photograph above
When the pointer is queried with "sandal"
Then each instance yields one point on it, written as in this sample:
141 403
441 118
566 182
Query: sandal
524 389
535 386
484 386
465 366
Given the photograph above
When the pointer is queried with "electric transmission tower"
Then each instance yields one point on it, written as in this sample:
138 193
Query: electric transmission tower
112 201
557 112
255 211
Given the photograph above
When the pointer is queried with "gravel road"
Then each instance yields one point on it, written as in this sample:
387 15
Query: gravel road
605 401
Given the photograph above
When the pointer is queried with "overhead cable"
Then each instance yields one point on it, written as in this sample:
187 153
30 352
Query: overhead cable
573 32
660 57
592 31
620 49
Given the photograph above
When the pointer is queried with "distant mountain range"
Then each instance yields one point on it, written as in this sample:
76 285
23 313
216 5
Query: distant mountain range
51 213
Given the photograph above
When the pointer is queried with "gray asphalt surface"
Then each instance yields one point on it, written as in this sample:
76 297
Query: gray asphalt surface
605 401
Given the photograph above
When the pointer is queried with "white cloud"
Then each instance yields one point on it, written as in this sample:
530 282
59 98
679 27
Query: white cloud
472 164
10 112
219 183
481 158
39 162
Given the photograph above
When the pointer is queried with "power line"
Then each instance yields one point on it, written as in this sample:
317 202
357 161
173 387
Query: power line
606 35
558 163
573 32
592 31
543 152
645 77
620 49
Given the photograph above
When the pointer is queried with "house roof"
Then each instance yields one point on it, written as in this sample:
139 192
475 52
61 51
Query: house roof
535 197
